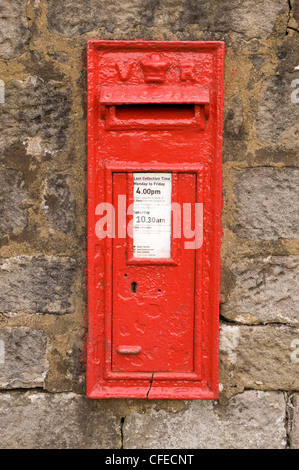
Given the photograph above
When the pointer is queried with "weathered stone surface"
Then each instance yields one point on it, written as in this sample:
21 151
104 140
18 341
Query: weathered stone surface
14 32
252 420
258 61
259 357
247 17
56 421
265 290
294 421
233 126
79 17
266 203
58 203
23 362
288 57
244 17
67 371
13 202
36 285
295 12
234 134
35 113
36 64
278 115
196 13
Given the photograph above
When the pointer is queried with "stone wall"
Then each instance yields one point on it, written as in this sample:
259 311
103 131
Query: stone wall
43 227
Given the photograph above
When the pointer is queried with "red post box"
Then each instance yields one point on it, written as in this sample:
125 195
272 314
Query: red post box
154 204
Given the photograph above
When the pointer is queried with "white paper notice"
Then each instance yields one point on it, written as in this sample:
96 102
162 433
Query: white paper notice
152 215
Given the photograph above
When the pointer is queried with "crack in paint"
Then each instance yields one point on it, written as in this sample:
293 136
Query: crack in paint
150 385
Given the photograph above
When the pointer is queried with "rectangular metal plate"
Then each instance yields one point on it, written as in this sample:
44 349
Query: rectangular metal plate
152 215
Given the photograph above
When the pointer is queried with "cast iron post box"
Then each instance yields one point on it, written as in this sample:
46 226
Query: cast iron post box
154 203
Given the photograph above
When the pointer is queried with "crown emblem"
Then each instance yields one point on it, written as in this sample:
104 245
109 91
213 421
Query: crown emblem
154 69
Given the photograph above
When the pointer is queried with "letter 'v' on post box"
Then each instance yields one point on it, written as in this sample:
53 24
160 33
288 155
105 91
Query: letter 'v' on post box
154 206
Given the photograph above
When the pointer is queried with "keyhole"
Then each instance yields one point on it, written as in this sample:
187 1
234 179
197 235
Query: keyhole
134 287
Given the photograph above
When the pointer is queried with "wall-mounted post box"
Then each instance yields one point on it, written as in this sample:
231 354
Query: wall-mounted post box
154 204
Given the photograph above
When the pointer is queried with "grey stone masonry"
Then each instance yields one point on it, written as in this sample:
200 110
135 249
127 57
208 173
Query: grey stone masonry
58 203
36 285
266 206
264 290
244 17
23 362
35 114
14 31
278 114
247 17
259 357
293 420
56 421
251 420
73 18
13 203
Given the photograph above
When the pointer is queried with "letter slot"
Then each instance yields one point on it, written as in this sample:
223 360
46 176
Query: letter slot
147 108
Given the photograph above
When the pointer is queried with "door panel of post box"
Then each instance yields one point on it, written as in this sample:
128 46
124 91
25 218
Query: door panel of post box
153 304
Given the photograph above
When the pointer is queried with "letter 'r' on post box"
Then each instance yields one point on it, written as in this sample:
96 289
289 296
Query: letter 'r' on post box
154 204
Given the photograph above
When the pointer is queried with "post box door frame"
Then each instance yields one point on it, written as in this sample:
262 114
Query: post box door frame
201 332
